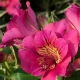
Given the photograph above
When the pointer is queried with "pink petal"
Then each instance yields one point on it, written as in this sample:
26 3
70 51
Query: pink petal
11 34
61 68
4 3
36 70
59 26
44 37
74 18
71 37
28 58
50 75
25 27
13 7
1 45
11 24
28 42
62 46
31 14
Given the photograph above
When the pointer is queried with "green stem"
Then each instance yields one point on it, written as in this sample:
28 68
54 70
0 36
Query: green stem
3 13
47 7
14 54
2 26
7 67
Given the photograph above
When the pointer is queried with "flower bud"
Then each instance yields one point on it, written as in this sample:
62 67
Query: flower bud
10 58
42 21
76 64
3 57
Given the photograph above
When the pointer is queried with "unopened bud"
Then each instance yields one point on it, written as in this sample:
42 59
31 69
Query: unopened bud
10 58
76 64
42 21
3 57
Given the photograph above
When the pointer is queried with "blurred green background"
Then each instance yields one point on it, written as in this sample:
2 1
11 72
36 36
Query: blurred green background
58 6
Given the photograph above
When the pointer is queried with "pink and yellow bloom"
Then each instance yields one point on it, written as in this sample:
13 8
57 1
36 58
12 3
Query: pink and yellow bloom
61 28
21 25
45 54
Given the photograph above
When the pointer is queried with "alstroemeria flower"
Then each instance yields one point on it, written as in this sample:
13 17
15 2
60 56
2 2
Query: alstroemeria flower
73 17
46 55
21 25
11 6
61 28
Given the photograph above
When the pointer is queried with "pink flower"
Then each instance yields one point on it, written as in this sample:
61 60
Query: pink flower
45 54
21 25
61 28
11 6
73 17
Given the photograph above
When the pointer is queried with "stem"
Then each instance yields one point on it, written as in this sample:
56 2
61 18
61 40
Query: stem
7 67
14 54
62 11
3 13
47 7
2 26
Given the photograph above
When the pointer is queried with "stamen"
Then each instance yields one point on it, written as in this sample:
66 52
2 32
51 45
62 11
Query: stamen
50 51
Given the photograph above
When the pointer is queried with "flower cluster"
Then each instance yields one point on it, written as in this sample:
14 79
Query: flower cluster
45 52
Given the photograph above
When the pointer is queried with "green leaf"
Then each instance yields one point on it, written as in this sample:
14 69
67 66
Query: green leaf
7 50
1 78
19 70
3 75
22 76
19 74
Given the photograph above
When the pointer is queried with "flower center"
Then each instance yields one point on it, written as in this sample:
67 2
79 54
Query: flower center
50 57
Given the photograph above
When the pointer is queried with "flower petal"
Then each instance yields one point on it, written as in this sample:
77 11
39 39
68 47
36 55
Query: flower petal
25 27
44 37
71 37
28 42
13 7
59 26
31 14
74 18
28 58
10 35
61 68
62 46
50 75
